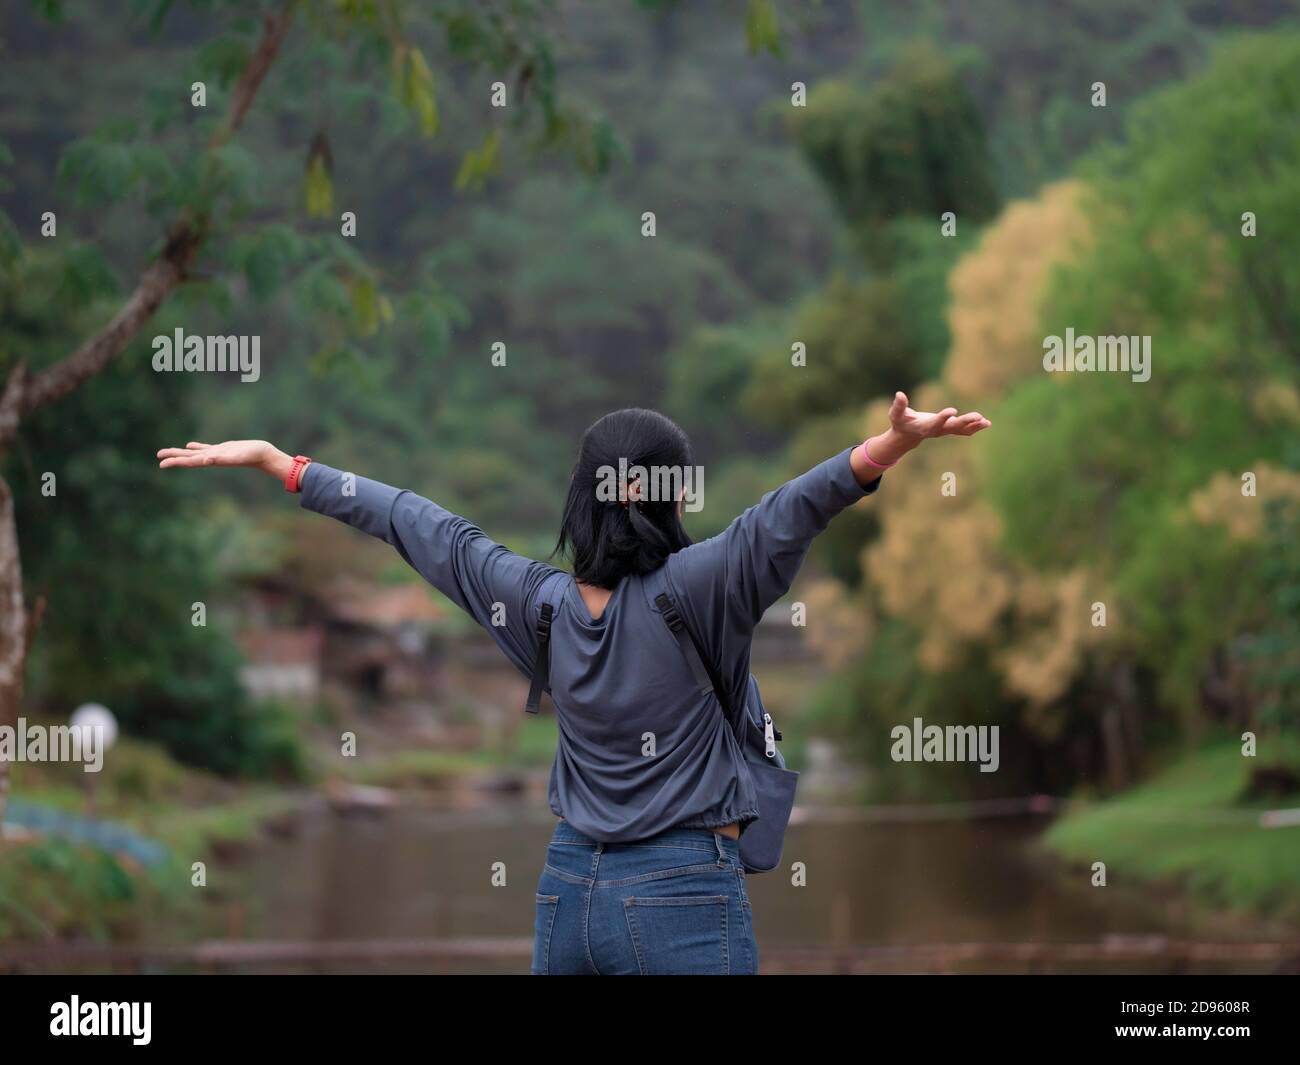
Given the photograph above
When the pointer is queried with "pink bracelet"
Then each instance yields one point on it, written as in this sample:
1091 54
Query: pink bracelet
872 462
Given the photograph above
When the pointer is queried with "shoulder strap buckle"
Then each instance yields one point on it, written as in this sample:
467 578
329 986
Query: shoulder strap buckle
542 663
669 612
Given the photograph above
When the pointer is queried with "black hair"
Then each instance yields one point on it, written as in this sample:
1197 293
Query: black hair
605 539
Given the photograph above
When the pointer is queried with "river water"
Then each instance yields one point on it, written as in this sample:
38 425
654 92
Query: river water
427 873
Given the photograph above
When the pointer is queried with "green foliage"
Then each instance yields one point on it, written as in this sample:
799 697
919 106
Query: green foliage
223 60
53 888
413 84
118 554
480 163
921 280
86 276
859 347
268 257
894 159
888 687
11 241
1031 66
51 10
103 169
371 309
11 244
377 349
1172 829
1170 262
1272 651
912 145
761 30
709 371
318 190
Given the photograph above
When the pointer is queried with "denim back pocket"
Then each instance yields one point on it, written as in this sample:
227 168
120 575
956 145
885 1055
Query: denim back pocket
679 935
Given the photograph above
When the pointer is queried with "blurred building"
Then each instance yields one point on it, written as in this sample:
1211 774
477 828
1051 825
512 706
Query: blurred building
356 638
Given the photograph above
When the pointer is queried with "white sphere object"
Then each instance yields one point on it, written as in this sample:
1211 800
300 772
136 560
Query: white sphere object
92 716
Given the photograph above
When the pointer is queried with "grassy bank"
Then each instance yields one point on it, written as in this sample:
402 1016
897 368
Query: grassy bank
1195 826
51 888
54 888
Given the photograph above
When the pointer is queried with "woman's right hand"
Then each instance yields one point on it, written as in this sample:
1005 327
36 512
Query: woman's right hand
257 454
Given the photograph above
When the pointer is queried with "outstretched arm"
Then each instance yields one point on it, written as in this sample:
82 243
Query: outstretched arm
495 586
730 580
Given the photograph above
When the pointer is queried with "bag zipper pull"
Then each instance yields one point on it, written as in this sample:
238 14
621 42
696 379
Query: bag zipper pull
769 737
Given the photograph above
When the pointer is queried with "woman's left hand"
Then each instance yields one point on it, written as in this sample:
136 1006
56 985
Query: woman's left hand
255 454
907 428
916 425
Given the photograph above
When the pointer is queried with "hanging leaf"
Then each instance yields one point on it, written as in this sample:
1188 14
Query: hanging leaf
761 28
319 190
480 163
398 69
365 306
319 186
413 86
423 102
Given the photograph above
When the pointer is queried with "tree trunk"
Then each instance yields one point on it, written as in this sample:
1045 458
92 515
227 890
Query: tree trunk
1112 737
13 630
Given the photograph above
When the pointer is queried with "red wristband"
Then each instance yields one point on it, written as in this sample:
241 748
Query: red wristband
872 462
292 483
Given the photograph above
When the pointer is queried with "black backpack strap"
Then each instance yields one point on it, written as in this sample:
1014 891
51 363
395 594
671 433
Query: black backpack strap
704 676
542 664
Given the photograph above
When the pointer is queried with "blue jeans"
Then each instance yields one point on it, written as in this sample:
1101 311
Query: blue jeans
672 903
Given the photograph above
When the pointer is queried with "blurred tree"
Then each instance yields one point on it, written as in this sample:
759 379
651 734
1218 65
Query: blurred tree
1271 649
123 633
204 191
856 345
895 160
708 373
939 564
911 146
1173 260
1098 491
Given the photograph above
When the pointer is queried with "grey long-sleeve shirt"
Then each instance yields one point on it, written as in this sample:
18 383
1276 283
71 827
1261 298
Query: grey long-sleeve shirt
640 748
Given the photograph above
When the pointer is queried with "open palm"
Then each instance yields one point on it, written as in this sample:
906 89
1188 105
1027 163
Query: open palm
920 425
231 453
